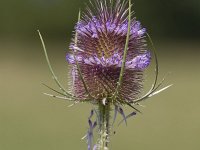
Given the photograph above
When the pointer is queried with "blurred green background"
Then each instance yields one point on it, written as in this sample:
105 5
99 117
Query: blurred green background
30 120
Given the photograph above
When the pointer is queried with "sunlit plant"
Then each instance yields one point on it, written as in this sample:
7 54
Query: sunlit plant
107 56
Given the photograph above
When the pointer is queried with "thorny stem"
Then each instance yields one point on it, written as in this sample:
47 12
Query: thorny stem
104 126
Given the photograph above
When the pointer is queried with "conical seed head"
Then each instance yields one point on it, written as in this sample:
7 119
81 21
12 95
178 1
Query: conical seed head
101 37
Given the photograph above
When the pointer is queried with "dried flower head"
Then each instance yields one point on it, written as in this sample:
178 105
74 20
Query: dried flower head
99 48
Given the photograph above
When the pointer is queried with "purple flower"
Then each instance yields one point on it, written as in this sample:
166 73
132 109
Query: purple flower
108 56
101 37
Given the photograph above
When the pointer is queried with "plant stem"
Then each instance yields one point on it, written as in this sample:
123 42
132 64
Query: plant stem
104 126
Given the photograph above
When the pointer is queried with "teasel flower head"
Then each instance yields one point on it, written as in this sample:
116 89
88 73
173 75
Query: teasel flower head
107 58
98 48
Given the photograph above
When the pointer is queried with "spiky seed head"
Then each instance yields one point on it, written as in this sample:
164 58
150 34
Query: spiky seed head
101 37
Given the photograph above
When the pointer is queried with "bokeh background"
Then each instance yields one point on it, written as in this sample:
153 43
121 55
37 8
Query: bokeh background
30 120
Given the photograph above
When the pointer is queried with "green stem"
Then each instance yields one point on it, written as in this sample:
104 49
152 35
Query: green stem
104 126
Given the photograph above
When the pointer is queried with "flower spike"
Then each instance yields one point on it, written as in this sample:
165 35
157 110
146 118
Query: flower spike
107 58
